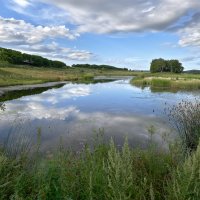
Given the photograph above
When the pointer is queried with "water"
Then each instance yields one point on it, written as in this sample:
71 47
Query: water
74 113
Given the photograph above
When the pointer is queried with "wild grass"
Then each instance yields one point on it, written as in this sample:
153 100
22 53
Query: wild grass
105 171
161 83
24 75
170 82
185 183
102 173
185 117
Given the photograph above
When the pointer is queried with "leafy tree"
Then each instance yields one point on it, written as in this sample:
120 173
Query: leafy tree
175 66
161 65
158 65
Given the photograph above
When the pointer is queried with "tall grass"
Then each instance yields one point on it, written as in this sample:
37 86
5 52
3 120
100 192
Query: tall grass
164 83
185 117
171 82
185 182
102 173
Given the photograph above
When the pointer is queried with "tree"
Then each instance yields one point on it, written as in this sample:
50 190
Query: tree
175 66
158 65
161 65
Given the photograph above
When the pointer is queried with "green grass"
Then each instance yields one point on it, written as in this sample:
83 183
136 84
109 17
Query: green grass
161 83
24 75
168 80
102 173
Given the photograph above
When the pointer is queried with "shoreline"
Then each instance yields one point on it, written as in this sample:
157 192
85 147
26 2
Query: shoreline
3 90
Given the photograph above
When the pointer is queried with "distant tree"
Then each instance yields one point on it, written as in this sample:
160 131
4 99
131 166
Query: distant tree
175 66
100 67
161 65
158 65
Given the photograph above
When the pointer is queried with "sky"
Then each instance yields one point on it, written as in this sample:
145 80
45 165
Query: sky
122 33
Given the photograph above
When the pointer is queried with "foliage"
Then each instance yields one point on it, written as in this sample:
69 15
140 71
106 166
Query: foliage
18 58
161 65
100 67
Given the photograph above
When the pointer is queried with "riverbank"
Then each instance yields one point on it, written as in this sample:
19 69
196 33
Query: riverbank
26 75
3 90
168 81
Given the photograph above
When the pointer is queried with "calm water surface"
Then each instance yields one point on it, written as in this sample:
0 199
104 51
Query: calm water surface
74 113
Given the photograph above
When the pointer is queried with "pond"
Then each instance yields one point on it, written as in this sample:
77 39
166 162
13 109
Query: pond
73 114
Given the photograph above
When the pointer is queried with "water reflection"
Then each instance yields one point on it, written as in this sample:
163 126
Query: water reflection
75 111
10 95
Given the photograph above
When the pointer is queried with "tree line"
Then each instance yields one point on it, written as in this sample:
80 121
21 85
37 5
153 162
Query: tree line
18 58
93 66
161 65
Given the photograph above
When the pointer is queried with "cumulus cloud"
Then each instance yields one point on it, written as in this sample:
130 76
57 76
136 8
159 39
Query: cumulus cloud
32 39
55 51
18 31
190 34
124 15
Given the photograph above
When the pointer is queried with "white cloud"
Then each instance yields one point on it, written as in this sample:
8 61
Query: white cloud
190 34
22 3
124 15
28 38
54 51
18 31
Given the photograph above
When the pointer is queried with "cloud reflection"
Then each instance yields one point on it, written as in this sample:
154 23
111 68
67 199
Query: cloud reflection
55 96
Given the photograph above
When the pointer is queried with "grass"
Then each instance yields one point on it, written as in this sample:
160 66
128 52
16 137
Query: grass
24 75
168 80
185 117
103 171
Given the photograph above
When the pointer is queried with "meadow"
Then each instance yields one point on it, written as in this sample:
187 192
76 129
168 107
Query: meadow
25 75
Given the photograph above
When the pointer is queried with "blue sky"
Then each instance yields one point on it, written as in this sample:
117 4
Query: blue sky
123 33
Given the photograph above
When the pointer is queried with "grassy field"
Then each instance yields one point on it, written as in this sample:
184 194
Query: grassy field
22 75
25 75
168 80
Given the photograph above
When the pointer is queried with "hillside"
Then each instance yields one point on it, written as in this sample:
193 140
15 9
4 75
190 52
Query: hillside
18 58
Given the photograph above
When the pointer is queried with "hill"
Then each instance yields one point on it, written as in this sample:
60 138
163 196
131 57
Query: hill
193 71
19 58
